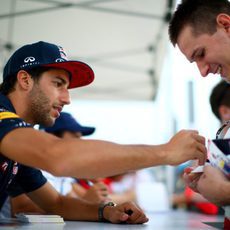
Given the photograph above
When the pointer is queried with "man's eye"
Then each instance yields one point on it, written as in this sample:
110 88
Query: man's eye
57 83
201 54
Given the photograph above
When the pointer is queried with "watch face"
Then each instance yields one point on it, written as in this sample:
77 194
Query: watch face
110 204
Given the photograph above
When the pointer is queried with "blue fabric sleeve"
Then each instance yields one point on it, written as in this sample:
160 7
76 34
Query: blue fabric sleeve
27 180
10 121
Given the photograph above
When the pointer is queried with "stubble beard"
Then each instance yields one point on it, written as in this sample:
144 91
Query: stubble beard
39 107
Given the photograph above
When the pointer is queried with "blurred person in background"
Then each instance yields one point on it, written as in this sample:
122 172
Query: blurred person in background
220 101
121 188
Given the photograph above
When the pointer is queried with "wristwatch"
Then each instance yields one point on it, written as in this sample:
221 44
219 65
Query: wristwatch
101 210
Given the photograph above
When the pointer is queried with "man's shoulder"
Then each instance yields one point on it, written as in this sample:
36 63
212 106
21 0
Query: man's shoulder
5 114
5 104
9 120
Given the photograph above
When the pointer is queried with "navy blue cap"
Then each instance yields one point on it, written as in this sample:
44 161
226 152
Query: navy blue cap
50 55
66 122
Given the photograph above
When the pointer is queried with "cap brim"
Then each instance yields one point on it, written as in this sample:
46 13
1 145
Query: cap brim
83 129
87 130
81 73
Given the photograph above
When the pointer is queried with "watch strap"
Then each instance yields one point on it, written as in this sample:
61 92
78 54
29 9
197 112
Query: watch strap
101 210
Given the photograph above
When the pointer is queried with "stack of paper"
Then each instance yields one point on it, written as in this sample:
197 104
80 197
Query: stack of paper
34 218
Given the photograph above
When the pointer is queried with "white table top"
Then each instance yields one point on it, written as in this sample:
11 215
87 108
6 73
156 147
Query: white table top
178 220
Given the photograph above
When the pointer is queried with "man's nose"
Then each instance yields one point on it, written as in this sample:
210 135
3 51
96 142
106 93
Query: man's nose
65 97
203 68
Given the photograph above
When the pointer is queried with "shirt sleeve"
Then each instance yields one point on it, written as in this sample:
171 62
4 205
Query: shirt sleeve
27 180
10 121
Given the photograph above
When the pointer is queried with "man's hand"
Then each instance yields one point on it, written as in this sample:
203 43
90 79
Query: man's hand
125 213
186 145
191 179
214 186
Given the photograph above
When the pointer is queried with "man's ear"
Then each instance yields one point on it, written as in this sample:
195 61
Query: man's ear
24 80
223 21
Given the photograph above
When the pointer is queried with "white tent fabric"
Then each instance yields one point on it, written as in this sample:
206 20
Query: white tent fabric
123 41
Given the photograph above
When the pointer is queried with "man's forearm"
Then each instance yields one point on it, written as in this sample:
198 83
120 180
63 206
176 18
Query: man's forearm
75 209
93 159
77 158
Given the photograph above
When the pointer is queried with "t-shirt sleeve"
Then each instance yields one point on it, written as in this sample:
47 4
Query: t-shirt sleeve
27 180
10 121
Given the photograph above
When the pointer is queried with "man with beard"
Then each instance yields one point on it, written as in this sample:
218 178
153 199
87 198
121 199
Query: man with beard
201 30
35 87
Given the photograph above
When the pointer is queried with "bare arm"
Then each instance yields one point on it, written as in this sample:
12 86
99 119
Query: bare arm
23 203
48 199
91 158
51 201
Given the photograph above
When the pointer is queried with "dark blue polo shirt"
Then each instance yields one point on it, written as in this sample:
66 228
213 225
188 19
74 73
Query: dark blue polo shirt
15 178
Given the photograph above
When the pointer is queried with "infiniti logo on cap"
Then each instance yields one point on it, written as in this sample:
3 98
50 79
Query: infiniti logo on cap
59 60
29 59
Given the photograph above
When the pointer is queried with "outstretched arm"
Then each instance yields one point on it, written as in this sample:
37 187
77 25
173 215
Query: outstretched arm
93 158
